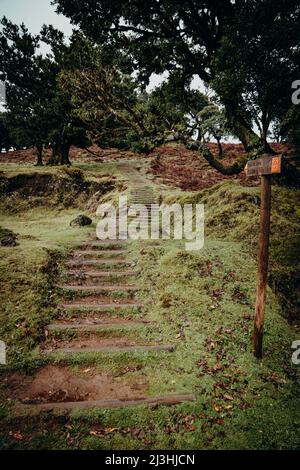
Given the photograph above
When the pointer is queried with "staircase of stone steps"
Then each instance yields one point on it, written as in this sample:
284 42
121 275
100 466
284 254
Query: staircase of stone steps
99 309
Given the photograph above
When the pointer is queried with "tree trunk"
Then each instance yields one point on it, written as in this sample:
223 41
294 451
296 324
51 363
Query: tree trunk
266 145
221 154
39 161
55 156
241 128
252 143
199 136
65 150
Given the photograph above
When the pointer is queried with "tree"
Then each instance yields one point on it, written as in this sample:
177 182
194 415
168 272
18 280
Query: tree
113 106
104 99
212 123
40 113
290 127
173 106
26 85
245 50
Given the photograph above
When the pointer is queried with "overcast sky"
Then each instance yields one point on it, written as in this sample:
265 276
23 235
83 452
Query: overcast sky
34 13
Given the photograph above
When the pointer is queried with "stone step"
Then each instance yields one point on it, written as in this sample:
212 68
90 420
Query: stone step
148 214
100 307
142 195
99 262
167 400
142 190
96 325
99 289
100 274
145 202
98 252
142 218
148 203
104 244
110 349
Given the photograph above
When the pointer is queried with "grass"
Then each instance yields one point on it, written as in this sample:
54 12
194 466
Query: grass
27 289
201 301
232 214
96 169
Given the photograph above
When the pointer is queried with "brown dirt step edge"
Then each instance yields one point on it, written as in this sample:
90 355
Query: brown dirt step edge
98 281
99 253
98 262
96 324
166 400
83 274
110 349
102 309
102 245
99 288
100 303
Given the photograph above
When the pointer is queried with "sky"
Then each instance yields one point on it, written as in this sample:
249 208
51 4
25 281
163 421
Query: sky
34 13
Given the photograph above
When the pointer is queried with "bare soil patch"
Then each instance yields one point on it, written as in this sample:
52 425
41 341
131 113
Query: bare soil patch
188 170
93 153
63 384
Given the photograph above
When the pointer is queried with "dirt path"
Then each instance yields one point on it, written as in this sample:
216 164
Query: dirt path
100 313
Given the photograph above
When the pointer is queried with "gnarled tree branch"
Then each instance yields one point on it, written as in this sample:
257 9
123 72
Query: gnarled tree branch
234 169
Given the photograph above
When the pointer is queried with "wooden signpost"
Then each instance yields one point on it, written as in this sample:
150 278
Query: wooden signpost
264 167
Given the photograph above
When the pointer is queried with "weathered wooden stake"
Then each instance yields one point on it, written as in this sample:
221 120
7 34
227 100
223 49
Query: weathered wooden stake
264 167
263 258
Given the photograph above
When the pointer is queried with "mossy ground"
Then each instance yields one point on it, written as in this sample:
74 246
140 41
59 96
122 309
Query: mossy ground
201 301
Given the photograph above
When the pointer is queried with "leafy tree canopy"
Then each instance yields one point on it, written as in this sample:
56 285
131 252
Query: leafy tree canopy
246 50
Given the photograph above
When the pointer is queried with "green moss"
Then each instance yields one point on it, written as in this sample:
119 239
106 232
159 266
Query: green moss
232 213
27 277
201 301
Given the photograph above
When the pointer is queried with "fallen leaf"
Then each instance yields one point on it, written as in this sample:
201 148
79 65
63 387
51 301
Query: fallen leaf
228 407
16 435
110 430
228 397
217 408
217 367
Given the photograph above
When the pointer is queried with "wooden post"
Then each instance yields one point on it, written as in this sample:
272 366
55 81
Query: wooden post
263 258
265 167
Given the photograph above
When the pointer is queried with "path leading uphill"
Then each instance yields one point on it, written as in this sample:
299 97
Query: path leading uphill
99 307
